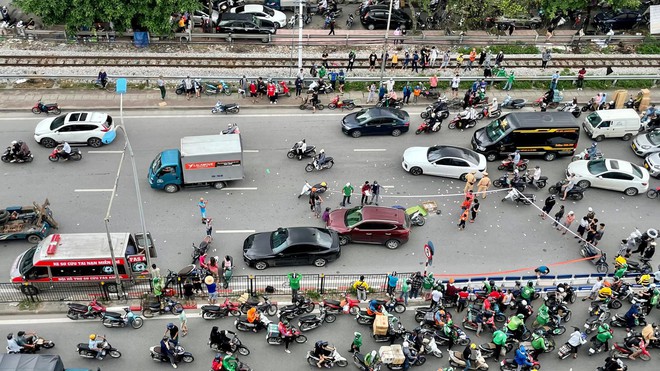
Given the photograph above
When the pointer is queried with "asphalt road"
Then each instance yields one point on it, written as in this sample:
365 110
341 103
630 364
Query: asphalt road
134 344
504 237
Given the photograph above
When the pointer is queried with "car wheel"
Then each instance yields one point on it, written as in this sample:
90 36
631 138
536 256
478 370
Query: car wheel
550 156
356 133
631 191
491 156
94 142
219 185
599 138
320 262
344 240
33 238
584 184
171 188
627 137
48 143
392 244
416 171
463 177
371 27
396 132
260 265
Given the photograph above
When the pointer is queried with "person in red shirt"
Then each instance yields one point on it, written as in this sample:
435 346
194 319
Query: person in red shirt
271 91
366 192
253 91
452 291
462 299
285 333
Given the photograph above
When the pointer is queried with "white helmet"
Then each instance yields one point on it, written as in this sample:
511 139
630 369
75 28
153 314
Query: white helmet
13 142
652 233
560 289
322 151
524 302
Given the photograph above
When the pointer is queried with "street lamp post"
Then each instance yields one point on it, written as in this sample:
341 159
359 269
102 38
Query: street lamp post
387 31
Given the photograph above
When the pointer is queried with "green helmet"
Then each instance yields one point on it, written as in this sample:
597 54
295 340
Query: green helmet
605 326
521 316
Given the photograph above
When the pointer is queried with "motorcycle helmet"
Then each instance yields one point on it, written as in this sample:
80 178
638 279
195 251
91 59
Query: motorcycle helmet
652 233
284 321
92 336
616 279
13 142
324 184
530 283
605 326
9 336
653 285
21 333
524 303
170 326
322 151
473 346
560 289
405 344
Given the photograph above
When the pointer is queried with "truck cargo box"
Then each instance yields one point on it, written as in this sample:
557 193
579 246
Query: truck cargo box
211 158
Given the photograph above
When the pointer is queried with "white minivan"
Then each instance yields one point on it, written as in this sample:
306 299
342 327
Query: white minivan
612 123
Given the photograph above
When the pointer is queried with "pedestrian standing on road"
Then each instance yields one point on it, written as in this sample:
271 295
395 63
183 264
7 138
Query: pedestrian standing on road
509 81
554 80
341 79
471 58
161 85
591 214
382 91
433 56
189 293
416 92
351 60
594 289
547 207
462 219
483 185
455 82
317 206
545 58
392 280
347 191
366 192
198 88
433 82
482 57
558 215
253 91
333 79
211 288
361 288
183 319
173 332
209 226
390 85
580 78
155 271
202 209
445 60
466 203
372 93
294 284
301 74
375 193
499 58
396 35
416 285
188 85
372 61
584 223
405 290
599 234
470 179
326 215
299 84
407 92
474 210
567 222
591 230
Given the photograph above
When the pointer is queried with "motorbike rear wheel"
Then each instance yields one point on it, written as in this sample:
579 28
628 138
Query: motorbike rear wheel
77 156
36 110
137 322
147 313
272 310
300 339
497 183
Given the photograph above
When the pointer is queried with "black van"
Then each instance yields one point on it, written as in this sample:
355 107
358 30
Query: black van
547 134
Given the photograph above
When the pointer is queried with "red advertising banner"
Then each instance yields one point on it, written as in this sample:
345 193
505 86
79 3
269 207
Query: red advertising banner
77 263
210 164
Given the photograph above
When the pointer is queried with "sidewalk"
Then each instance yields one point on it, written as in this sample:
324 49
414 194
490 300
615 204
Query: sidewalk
68 100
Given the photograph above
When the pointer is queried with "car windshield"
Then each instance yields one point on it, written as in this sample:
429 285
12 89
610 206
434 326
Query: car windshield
596 167
59 121
353 216
156 164
496 129
26 263
594 119
278 240
363 116
400 114
637 171
654 137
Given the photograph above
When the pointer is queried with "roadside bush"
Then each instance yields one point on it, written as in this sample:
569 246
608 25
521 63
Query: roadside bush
648 46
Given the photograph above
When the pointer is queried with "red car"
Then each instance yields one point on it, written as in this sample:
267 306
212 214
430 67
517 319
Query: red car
371 224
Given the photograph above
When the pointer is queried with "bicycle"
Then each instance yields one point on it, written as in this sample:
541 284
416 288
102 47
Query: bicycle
97 83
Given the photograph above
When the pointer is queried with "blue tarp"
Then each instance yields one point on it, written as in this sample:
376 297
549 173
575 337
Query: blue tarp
141 39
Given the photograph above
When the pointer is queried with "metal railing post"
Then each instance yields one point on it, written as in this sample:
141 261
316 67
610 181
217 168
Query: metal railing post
321 283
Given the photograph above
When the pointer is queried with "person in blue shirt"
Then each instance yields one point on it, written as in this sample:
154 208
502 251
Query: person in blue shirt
407 91
374 306
415 62
593 150
333 79
381 92
631 315
521 357
392 281
542 271
167 349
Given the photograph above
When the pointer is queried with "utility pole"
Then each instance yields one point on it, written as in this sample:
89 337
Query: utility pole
387 30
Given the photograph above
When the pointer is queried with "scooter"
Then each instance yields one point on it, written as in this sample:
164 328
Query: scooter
395 330
56 155
283 89
576 193
274 337
620 321
335 359
346 305
307 188
488 349
505 182
643 266
180 354
242 324
488 321
513 103
114 319
415 360
46 108
598 315
8 157
385 102
456 360
78 311
228 308
311 322
201 249
364 318
507 164
220 88
566 349
267 306
308 105
348 104
329 162
529 179
226 108
432 125
485 112
107 349
440 108
310 151
235 346
597 346
169 306
621 350
359 361
584 155
430 347
460 122
38 343
349 22
301 306
510 364
517 197
568 107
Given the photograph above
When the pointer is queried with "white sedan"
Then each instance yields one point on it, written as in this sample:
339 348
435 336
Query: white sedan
262 12
446 161
645 144
616 175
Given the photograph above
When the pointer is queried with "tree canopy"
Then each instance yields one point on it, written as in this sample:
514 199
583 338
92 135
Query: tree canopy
151 15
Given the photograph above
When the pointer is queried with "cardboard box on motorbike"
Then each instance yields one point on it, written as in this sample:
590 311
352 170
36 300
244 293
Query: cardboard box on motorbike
381 324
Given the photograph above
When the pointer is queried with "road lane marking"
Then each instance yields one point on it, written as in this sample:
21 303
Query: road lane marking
387 187
240 189
227 231
105 152
250 151
94 190
369 150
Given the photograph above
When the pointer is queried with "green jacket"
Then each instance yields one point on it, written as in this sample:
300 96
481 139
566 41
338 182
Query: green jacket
499 337
405 287
348 190
538 343
357 340
294 282
603 335
527 292
514 323
158 286
511 78
429 281
621 271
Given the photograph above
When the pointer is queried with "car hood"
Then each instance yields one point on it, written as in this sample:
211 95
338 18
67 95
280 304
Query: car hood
642 140
350 121
416 155
43 126
257 245
336 220
481 138
579 168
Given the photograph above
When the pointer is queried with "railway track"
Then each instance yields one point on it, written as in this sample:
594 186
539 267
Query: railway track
283 62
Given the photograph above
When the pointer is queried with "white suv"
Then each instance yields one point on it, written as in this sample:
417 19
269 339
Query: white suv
92 128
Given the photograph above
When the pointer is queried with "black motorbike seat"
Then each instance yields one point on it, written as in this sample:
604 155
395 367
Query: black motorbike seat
333 302
230 105
113 314
78 306
83 346
211 308
289 308
517 101
490 346
307 317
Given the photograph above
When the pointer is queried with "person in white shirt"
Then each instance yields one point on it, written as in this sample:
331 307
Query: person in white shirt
436 296
390 85
65 151
12 346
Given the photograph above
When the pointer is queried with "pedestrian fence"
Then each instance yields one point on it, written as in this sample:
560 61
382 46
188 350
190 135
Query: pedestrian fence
314 285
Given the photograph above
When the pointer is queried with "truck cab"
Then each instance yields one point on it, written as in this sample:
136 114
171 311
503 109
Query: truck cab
165 171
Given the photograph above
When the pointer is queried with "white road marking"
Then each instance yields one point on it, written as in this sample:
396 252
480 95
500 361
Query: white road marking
387 187
94 190
319 114
227 231
369 150
240 189
105 152
250 151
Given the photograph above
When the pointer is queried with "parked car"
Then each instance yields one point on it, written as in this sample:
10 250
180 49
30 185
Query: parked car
376 121
92 128
243 24
617 20
376 18
446 161
371 224
616 175
645 144
199 16
291 246
262 12
503 23
652 164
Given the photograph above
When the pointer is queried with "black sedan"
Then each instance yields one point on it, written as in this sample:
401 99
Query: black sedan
619 20
291 246
376 121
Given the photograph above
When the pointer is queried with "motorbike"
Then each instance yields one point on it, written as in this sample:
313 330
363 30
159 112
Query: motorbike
224 5
415 360
107 349
226 108
283 89
348 104
505 182
597 317
456 360
440 108
442 339
349 21
114 319
460 122
180 354
557 97
235 346
597 346
78 311
46 108
169 306
552 328
488 349
55 156
386 102
8 157
329 162
568 107
576 193
527 178
486 112
301 306
311 322
620 321
395 331
308 105
242 324
268 307
621 350
310 151
335 359
307 188
321 89
364 318
201 249
217 88
509 364
584 155
274 337
589 106
429 347
643 266
225 309
513 103
346 305
488 321
38 343
625 293
358 360
653 193
518 197
507 164
432 125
